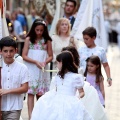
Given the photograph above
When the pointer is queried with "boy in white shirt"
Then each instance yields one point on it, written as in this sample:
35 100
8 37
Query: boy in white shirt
89 36
14 81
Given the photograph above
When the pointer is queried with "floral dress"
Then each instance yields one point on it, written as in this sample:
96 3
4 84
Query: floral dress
39 81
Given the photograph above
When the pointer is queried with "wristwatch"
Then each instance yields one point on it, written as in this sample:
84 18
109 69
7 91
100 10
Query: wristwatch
109 78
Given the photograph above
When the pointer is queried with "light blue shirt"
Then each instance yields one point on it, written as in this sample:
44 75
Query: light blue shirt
18 28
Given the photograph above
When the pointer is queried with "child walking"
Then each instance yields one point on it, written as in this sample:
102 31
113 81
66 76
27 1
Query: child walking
14 81
37 53
89 36
94 76
61 103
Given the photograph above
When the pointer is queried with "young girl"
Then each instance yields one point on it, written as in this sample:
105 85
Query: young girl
94 76
61 103
37 53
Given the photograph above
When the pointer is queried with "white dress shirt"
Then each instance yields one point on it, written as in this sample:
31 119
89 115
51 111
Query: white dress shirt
13 76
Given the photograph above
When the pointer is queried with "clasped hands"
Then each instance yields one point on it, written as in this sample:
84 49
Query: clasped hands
40 64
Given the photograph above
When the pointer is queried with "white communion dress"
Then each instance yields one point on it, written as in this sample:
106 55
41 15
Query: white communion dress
90 100
62 104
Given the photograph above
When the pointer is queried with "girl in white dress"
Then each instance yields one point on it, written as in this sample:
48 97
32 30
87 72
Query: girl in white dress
61 103
37 53
91 99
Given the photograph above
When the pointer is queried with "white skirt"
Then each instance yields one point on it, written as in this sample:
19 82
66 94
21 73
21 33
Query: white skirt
90 101
53 106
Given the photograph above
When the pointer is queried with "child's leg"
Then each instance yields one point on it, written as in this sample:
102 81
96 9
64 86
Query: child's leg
30 104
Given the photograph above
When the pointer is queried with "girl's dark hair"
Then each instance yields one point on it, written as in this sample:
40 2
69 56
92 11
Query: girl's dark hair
90 31
68 64
96 61
32 33
7 42
74 51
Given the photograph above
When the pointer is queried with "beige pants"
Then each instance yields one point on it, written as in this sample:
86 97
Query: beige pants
11 115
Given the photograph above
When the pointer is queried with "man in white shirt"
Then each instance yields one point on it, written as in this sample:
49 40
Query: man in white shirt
14 81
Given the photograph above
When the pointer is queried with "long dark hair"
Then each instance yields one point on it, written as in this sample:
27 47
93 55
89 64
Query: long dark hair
96 61
32 33
74 51
68 64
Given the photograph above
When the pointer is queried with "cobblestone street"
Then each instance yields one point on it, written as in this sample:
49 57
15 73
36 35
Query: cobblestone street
113 93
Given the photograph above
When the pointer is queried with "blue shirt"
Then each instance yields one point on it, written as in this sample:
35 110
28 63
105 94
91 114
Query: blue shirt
21 19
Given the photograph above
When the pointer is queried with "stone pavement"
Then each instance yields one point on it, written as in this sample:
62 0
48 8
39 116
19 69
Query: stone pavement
112 93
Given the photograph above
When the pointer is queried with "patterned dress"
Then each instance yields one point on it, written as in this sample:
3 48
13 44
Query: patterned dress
39 81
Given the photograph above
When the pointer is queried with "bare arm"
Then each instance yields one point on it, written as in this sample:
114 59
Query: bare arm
102 88
107 70
50 52
81 93
20 90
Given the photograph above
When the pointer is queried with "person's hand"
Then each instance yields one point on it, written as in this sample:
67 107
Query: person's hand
38 64
3 92
82 94
43 64
109 83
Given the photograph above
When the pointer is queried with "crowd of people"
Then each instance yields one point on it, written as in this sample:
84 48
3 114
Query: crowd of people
76 77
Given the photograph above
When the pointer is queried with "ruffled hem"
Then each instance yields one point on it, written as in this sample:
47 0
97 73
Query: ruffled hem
53 106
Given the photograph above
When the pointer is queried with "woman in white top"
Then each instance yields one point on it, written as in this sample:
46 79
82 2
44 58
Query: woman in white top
62 38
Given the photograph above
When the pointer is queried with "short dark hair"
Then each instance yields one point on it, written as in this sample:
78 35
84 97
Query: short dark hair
73 1
7 42
90 31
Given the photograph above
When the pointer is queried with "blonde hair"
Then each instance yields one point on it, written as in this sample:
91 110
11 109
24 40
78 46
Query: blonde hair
59 23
